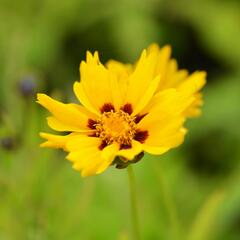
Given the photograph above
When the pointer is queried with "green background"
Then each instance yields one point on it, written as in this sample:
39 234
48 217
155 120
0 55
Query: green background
192 192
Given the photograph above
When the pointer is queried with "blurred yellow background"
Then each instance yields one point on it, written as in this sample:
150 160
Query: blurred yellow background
193 190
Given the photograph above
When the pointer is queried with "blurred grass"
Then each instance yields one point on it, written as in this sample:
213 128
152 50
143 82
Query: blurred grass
41 197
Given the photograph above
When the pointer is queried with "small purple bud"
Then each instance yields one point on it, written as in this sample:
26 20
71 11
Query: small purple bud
28 86
7 143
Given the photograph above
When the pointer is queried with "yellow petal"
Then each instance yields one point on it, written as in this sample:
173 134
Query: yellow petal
55 141
80 93
172 77
131 153
191 87
163 58
103 162
118 91
168 138
84 154
85 161
142 82
65 114
80 142
193 83
194 109
122 72
153 48
161 126
146 96
154 149
58 125
108 155
92 59
169 101
164 124
88 157
120 69
98 86
166 67
157 144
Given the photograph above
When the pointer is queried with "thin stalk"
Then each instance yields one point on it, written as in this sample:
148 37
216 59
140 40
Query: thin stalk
134 212
168 202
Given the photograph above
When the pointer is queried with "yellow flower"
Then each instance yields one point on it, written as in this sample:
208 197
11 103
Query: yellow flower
125 110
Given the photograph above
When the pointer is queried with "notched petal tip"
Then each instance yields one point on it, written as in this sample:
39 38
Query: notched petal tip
40 97
89 56
92 58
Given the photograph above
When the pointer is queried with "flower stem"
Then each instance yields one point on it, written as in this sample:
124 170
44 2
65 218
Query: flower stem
169 203
134 213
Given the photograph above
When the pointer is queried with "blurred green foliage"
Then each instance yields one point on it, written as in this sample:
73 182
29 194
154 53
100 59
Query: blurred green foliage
189 193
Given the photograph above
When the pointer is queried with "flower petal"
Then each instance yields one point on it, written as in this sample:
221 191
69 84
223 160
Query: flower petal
163 57
164 122
121 70
160 140
108 155
98 86
82 142
87 156
81 95
168 101
172 77
194 109
191 87
155 150
55 141
132 152
146 96
193 83
142 82
68 115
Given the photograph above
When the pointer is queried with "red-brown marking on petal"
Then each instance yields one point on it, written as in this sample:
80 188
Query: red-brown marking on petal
93 134
125 146
138 118
127 108
92 124
107 107
102 145
141 136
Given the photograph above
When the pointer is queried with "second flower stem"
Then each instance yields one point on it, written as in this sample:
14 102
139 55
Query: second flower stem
134 212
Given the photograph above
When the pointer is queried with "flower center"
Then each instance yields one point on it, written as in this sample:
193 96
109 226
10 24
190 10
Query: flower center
117 127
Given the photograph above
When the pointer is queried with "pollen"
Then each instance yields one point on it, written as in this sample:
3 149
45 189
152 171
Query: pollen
117 127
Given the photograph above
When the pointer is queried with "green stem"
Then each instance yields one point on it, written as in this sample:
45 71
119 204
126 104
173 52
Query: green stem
132 186
168 202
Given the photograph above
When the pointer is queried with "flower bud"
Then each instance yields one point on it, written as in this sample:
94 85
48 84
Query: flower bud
121 163
28 86
7 143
